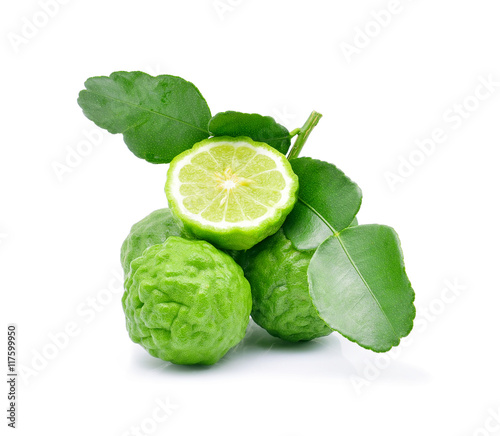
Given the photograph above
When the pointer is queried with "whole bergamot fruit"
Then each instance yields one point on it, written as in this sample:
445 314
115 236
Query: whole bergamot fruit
151 230
277 273
186 302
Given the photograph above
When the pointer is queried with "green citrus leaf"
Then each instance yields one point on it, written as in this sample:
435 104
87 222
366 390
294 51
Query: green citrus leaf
328 203
358 283
255 126
159 117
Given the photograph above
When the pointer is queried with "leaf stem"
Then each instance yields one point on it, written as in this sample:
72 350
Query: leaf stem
303 134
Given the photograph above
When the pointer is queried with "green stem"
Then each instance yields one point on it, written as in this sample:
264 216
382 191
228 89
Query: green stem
303 134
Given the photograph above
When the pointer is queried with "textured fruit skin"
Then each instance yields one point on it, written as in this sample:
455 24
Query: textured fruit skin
151 230
234 238
186 302
277 273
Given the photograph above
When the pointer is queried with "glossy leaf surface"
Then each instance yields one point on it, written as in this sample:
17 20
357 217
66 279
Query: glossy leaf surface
255 126
328 203
159 117
358 283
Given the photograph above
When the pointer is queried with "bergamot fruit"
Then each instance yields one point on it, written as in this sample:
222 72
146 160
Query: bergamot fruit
151 230
277 273
233 192
186 302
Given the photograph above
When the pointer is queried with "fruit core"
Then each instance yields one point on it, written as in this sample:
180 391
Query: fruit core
228 180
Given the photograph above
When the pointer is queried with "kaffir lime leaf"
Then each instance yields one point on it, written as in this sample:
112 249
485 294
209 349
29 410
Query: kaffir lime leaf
277 273
186 302
233 192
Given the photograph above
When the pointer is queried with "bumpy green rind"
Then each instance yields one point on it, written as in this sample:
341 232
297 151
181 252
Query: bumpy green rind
277 273
186 302
151 230
234 238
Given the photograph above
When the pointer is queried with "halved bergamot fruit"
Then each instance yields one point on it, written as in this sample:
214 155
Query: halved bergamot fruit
233 192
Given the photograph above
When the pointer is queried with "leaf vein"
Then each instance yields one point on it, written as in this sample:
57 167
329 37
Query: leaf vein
351 260
149 110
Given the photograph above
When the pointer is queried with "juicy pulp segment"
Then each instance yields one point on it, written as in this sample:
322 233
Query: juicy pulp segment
230 183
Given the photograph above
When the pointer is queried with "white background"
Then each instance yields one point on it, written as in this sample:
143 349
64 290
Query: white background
60 236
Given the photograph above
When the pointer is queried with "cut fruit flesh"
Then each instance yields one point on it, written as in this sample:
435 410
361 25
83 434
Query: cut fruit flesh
227 182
